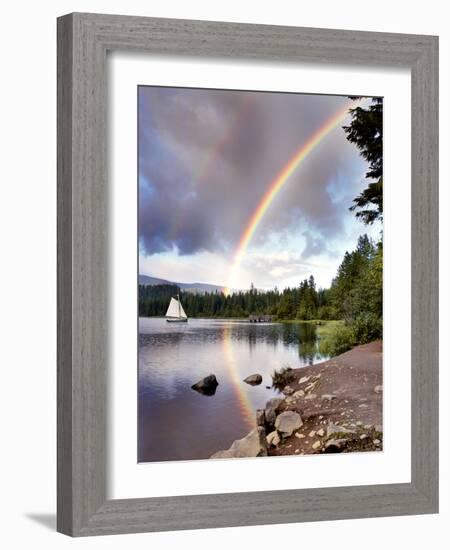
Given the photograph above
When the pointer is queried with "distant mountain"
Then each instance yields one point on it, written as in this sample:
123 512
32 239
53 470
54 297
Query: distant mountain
201 288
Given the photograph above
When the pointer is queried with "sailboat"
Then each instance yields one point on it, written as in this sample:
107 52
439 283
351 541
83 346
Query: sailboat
175 312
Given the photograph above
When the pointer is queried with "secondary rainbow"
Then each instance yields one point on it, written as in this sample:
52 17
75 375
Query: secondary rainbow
275 187
213 155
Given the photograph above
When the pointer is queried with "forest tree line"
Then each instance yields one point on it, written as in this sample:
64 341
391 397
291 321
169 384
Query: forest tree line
355 291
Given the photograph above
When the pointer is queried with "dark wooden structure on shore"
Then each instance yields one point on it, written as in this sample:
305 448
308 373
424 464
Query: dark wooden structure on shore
259 318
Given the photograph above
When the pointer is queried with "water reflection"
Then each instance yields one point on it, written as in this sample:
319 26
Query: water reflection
176 423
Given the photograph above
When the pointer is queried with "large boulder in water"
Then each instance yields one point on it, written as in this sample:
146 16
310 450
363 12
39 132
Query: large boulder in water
207 385
253 379
252 445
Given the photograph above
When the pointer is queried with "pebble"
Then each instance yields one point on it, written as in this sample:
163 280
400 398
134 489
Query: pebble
300 436
367 426
320 432
378 389
377 442
363 406
328 396
320 417
312 433
297 451
316 445
359 423
363 436
304 379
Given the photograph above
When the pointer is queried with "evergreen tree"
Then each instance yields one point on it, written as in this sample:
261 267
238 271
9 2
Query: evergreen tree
366 132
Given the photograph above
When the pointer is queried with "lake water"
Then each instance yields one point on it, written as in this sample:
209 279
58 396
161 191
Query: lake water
178 423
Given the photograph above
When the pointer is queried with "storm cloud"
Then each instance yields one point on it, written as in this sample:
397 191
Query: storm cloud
206 158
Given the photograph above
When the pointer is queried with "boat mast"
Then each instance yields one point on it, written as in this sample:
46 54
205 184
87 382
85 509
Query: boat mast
179 305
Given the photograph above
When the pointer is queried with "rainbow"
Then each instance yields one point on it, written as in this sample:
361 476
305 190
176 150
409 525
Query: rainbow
244 404
275 187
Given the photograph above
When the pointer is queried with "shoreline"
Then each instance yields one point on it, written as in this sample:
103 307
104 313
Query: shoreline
338 404
317 322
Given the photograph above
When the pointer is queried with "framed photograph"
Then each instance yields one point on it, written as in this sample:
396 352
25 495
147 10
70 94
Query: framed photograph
247 274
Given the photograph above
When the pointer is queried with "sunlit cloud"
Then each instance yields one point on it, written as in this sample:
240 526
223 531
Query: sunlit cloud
206 158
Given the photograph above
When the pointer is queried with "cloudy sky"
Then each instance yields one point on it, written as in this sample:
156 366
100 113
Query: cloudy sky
206 158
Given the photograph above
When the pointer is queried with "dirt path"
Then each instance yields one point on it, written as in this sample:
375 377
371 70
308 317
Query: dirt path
344 392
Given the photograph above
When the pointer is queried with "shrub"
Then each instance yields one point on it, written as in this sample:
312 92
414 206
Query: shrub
282 377
340 338
367 327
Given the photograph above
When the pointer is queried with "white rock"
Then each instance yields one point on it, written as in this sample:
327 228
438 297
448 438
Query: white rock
310 387
312 433
316 445
320 432
304 379
363 436
273 439
287 422
300 436
378 389
377 442
253 444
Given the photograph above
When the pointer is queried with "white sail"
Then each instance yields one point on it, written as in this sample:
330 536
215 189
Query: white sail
182 312
175 309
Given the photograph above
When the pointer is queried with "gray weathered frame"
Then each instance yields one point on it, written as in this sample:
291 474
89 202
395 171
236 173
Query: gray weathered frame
83 41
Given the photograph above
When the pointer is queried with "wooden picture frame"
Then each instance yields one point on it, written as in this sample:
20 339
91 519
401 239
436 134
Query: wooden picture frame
83 41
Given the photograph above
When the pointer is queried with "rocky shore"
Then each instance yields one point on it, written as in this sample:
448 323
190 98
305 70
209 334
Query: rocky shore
331 407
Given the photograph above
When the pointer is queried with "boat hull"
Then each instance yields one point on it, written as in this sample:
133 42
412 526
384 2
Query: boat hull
177 320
